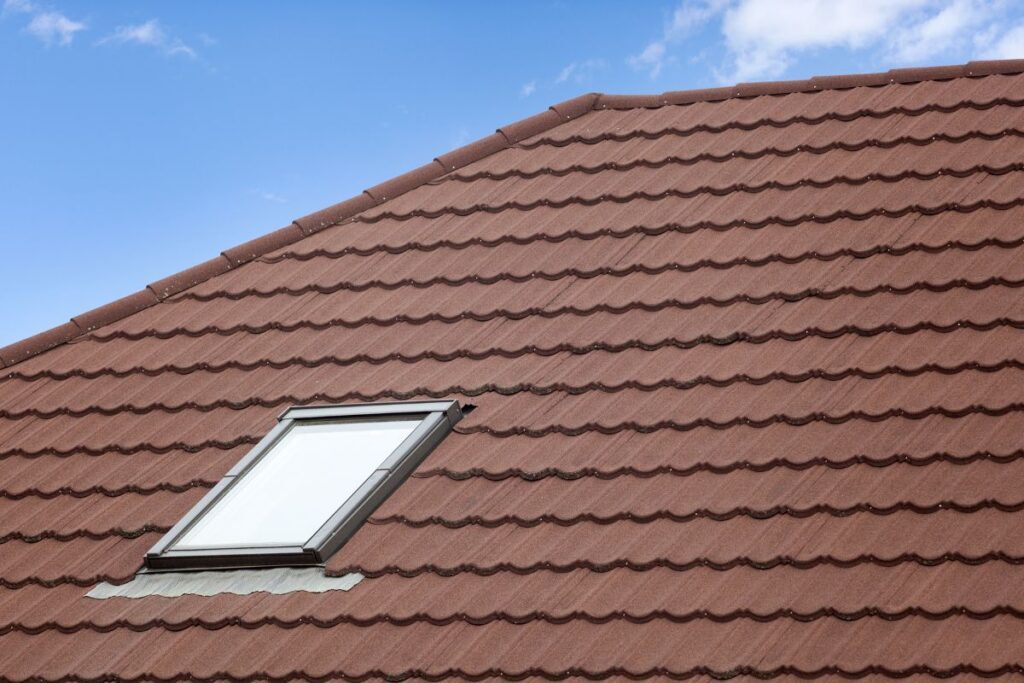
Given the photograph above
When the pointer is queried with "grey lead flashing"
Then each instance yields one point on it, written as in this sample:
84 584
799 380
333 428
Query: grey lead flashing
279 580
437 420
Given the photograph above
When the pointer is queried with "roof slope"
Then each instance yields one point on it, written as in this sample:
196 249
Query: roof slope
750 383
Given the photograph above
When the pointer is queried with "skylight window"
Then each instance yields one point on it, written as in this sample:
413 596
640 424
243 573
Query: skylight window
301 492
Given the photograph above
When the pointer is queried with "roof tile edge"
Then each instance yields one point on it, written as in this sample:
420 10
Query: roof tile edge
505 137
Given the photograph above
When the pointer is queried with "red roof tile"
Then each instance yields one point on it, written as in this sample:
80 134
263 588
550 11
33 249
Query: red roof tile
749 372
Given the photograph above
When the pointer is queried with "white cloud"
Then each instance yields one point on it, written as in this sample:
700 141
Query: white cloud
802 24
54 28
579 71
23 6
150 34
652 59
49 27
763 38
690 15
952 27
528 89
180 48
923 39
268 196
1008 46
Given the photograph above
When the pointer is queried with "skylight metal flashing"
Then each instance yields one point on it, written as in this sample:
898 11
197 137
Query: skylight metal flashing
306 487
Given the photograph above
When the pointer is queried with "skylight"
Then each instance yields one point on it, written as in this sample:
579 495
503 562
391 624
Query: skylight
306 487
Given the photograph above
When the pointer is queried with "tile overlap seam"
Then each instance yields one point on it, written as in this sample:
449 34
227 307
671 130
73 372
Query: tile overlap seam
746 126
519 619
709 190
712 468
738 337
533 388
722 157
571 310
576 430
796 512
962 208
611 271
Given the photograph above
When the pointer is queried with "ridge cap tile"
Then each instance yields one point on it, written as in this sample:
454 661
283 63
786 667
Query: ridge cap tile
336 213
37 343
928 73
190 277
769 88
474 151
991 67
115 310
410 180
700 95
247 251
577 106
530 126
510 134
847 81
606 101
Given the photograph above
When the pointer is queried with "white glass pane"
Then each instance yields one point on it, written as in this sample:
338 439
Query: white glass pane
296 487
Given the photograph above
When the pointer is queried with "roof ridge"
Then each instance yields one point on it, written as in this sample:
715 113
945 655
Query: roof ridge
815 84
503 138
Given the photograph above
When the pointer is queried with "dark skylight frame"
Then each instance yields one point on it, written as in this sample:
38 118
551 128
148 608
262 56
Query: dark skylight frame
435 419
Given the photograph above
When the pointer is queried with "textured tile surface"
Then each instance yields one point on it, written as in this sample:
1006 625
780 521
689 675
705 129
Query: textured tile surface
749 379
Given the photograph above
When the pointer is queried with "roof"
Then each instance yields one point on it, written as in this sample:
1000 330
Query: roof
749 378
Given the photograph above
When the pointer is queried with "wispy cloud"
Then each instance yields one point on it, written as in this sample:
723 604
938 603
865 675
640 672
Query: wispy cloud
268 196
24 6
689 16
50 27
651 59
950 26
763 38
271 197
149 34
580 72
53 28
528 89
1008 46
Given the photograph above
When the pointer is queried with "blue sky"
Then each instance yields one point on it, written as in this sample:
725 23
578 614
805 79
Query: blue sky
139 138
